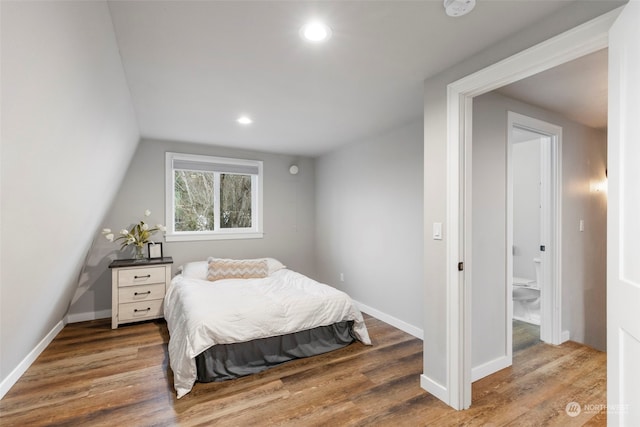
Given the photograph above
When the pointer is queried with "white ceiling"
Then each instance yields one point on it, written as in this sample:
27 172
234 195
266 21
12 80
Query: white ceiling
578 90
194 67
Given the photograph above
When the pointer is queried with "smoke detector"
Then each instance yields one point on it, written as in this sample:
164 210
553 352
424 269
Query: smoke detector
457 8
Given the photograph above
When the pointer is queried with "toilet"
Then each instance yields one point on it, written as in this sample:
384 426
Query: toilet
526 297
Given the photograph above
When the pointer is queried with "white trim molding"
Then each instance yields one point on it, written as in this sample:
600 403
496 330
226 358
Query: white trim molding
490 367
393 321
436 389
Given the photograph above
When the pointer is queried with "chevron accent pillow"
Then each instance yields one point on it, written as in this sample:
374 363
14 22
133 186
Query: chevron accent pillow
220 268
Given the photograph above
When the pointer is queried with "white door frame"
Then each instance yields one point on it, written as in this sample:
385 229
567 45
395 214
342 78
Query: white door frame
577 42
551 224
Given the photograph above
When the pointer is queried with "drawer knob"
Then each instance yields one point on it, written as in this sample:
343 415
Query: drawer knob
146 309
142 293
142 277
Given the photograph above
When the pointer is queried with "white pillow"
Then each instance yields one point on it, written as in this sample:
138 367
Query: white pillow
196 270
274 265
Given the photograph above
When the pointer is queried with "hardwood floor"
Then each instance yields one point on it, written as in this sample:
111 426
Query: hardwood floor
525 335
93 375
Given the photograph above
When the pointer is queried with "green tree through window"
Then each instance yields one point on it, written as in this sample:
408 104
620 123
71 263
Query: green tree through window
235 201
193 201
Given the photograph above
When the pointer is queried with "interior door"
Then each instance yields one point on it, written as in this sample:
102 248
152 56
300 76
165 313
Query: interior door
623 227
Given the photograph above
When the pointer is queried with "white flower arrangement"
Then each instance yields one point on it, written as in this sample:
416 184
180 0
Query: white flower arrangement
139 235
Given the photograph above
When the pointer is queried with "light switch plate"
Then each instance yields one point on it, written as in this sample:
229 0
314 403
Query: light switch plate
437 231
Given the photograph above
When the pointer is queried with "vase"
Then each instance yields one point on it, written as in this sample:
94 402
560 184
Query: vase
138 254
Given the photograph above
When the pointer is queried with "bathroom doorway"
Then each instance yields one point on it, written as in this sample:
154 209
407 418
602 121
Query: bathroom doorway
533 212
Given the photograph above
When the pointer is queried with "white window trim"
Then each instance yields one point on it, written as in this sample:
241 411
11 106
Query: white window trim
255 232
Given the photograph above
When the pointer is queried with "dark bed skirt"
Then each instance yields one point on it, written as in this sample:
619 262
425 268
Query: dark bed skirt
227 361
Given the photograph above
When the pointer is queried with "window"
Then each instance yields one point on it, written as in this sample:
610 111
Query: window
212 198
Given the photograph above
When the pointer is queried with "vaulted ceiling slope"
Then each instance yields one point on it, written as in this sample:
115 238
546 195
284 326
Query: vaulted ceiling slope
68 135
194 67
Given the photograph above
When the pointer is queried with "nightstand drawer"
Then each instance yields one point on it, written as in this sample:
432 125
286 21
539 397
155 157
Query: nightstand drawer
140 276
138 288
141 293
140 310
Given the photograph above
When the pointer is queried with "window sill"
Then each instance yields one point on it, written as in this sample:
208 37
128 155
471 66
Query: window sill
188 237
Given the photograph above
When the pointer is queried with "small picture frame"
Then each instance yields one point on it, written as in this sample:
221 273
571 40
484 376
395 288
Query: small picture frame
155 250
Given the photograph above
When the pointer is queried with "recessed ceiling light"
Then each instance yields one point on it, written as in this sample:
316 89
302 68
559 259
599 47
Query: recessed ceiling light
244 120
315 31
457 8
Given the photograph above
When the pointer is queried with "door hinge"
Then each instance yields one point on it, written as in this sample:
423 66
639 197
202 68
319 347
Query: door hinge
460 266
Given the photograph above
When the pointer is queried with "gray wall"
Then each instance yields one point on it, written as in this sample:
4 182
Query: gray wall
369 221
584 254
68 133
488 234
583 260
435 159
289 219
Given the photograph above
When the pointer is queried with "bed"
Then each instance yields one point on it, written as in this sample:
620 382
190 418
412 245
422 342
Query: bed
230 318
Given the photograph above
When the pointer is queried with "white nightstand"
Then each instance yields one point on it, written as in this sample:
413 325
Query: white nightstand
138 288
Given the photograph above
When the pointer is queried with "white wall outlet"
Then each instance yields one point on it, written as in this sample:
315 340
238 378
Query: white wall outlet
342 277
581 225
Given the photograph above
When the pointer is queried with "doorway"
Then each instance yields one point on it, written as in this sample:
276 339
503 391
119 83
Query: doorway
495 298
573 44
534 201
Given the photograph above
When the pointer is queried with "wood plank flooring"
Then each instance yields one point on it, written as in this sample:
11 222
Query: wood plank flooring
92 375
525 335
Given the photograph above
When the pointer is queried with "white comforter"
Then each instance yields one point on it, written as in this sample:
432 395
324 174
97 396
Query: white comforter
201 314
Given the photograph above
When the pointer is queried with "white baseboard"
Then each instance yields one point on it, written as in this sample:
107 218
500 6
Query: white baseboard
565 336
489 368
435 388
22 367
393 321
90 315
